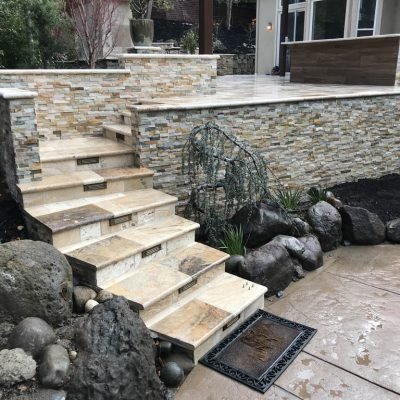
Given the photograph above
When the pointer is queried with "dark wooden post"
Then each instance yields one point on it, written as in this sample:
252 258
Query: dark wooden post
283 34
206 11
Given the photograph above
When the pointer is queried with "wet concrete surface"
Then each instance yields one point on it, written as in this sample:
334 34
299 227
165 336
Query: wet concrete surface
354 302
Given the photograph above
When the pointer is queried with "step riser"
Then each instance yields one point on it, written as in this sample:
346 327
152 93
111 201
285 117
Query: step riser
128 140
168 301
67 166
111 273
77 192
218 336
127 120
101 228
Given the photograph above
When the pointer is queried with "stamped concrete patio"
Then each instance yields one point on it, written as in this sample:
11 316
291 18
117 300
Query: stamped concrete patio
354 302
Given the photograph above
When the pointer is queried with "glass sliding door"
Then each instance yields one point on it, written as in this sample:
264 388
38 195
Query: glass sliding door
328 19
366 18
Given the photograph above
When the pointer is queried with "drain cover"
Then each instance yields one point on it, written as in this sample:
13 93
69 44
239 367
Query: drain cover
257 352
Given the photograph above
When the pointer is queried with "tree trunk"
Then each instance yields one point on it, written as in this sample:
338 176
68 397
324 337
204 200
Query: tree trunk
229 5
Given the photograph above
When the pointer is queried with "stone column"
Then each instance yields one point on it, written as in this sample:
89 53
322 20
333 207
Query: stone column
19 138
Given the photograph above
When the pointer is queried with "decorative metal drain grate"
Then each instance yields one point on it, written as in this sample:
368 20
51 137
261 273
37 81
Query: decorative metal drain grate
257 352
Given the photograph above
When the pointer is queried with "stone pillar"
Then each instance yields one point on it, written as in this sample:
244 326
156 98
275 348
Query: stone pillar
19 138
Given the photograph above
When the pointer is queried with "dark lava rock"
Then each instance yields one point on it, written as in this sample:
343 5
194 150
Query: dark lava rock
269 265
32 335
5 331
43 394
172 374
291 244
362 227
36 281
184 361
261 222
393 230
300 227
116 357
327 225
53 370
82 295
232 264
313 257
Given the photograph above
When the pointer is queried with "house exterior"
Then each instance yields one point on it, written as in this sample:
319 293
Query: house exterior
321 19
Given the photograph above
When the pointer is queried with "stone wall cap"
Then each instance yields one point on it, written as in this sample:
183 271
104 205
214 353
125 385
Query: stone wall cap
63 71
169 56
12 93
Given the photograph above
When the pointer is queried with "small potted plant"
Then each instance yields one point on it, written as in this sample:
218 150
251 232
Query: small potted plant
141 24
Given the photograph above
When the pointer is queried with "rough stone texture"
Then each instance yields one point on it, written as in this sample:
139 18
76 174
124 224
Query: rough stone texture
82 295
261 222
16 366
54 368
360 133
32 335
313 257
360 226
236 64
393 230
327 225
300 227
5 330
269 265
35 281
116 358
43 394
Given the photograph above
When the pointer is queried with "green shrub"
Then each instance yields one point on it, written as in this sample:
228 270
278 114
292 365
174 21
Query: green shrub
190 41
317 194
289 198
233 242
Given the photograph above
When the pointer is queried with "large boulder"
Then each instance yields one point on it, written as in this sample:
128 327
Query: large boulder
269 265
16 366
393 230
32 335
361 226
312 257
327 225
116 357
291 244
261 222
36 281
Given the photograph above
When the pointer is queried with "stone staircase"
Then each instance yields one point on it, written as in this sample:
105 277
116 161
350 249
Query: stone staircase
121 235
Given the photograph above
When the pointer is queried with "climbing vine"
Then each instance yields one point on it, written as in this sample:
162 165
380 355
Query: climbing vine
224 175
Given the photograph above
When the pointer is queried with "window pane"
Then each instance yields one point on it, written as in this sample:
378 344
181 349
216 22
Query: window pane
366 32
300 26
329 19
291 26
367 14
295 1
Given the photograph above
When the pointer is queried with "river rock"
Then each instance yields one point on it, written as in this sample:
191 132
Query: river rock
326 223
261 222
54 368
313 257
362 227
116 357
184 361
393 230
36 281
16 366
269 265
32 335
232 264
82 295
172 374
103 296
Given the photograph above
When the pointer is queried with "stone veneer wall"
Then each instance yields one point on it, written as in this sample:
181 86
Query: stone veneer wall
318 142
78 102
19 139
236 64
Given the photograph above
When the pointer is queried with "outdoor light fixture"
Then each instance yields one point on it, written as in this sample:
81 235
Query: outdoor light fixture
269 27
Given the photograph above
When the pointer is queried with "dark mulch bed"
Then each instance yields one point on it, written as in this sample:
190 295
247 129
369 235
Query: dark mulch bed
381 196
10 217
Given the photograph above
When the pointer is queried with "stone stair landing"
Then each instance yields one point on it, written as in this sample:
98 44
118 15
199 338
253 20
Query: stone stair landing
100 209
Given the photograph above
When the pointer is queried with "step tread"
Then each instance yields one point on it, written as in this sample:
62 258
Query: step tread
83 178
119 128
147 285
192 321
112 248
82 147
64 216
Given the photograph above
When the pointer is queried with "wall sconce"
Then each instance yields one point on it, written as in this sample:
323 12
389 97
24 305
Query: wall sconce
269 27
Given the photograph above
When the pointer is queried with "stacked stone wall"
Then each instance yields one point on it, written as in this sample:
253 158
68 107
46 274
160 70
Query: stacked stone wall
236 64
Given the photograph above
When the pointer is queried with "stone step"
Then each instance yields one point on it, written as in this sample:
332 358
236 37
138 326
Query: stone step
75 221
56 188
126 117
82 154
120 133
160 284
99 263
204 318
